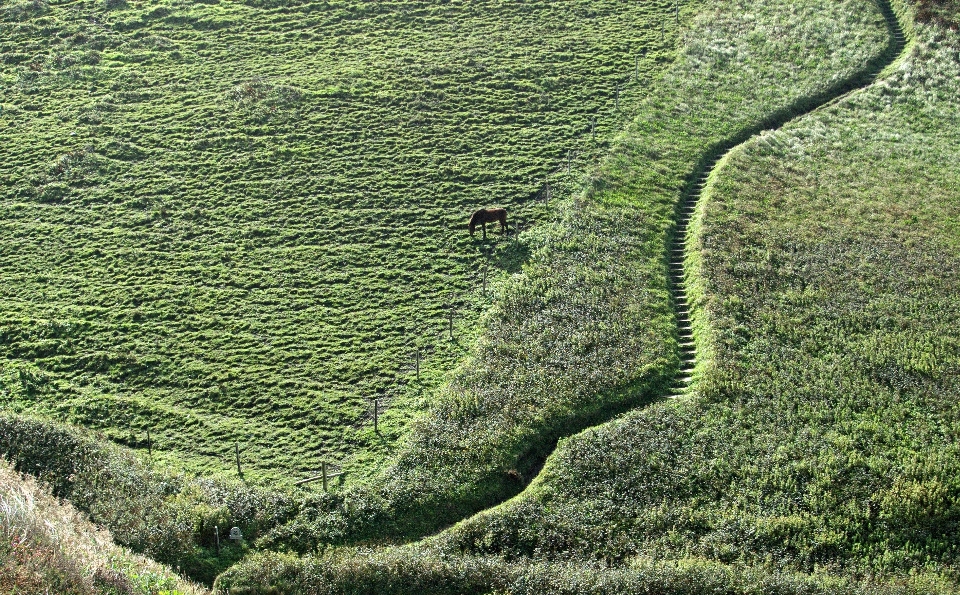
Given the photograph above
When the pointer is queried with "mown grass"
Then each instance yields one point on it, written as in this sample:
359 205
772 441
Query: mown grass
47 546
235 221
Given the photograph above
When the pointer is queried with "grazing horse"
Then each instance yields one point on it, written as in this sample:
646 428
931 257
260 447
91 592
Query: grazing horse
484 216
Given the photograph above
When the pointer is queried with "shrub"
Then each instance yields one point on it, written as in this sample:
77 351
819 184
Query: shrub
166 515
46 545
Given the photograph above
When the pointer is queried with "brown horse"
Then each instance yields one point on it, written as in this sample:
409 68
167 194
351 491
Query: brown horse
484 216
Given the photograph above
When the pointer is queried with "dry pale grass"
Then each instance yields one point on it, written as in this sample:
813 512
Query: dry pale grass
47 546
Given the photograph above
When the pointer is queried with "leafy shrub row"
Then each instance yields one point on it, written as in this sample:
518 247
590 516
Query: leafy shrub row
405 571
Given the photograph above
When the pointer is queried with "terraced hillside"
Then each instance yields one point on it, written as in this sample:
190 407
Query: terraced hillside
236 222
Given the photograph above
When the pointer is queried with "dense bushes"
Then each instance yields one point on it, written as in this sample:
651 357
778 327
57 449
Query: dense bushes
169 516
422 570
945 13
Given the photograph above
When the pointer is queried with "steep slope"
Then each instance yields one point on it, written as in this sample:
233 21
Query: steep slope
654 484
588 329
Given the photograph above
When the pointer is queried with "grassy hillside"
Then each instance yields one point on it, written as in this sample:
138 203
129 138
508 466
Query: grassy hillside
46 546
783 471
235 221
588 330
820 437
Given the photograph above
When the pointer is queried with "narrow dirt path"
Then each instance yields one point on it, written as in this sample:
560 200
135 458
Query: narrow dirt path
676 252
676 249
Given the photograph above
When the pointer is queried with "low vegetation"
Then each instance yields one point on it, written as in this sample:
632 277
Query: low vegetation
46 546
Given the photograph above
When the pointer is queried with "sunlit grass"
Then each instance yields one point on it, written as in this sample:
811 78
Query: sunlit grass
235 222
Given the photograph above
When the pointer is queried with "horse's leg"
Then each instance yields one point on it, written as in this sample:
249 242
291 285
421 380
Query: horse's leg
484 230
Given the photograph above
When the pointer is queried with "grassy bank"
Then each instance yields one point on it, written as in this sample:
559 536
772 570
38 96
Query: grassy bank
161 513
47 546
822 424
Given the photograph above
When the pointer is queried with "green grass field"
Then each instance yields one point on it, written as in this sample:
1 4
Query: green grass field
235 222
258 270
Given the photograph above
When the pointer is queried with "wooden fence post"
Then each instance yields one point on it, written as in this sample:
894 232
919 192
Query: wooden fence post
323 471
486 265
236 447
451 321
418 364
376 418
